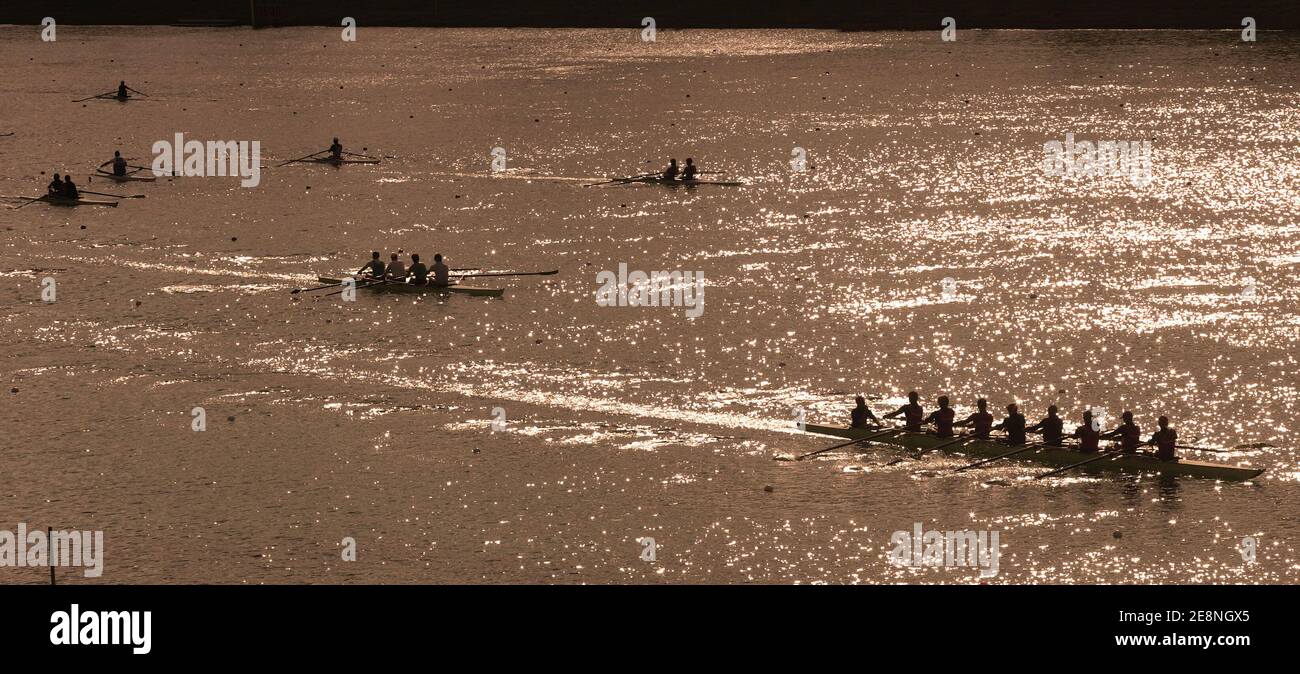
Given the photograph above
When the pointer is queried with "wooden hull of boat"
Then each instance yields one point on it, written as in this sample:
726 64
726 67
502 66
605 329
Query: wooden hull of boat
1054 456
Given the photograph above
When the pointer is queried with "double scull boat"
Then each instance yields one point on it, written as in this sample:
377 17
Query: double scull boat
672 182
64 201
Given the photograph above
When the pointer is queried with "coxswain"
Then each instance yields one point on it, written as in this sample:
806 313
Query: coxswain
942 418
374 268
396 270
980 421
441 274
861 416
336 151
1130 436
1165 440
688 172
418 272
1013 425
1051 427
1089 437
912 413
671 172
55 187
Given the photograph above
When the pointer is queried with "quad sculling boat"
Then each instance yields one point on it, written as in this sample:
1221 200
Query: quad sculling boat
64 201
399 287
1141 462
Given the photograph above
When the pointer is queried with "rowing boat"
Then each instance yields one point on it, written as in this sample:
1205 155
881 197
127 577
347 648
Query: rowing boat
398 287
671 182
338 162
99 173
1141 462
63 201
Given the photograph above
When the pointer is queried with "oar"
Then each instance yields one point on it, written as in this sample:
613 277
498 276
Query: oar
115 196
358 154
1104 455
1026 448
511 273
846 444
303 157
106 93
941 445
138 92
1208 449
617 180
294 292
364 285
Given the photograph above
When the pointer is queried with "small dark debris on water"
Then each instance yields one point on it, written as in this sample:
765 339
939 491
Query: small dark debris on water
769 489
13 390
1118 534
230 419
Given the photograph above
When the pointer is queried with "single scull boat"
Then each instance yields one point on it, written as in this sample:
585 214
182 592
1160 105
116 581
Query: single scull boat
101 173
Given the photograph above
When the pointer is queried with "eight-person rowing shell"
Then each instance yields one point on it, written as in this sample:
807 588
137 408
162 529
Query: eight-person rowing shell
1013 425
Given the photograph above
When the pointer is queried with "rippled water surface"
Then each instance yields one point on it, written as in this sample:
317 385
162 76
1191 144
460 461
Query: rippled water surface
372 419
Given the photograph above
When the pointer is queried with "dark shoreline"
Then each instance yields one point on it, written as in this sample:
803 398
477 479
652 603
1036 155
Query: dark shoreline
823 14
